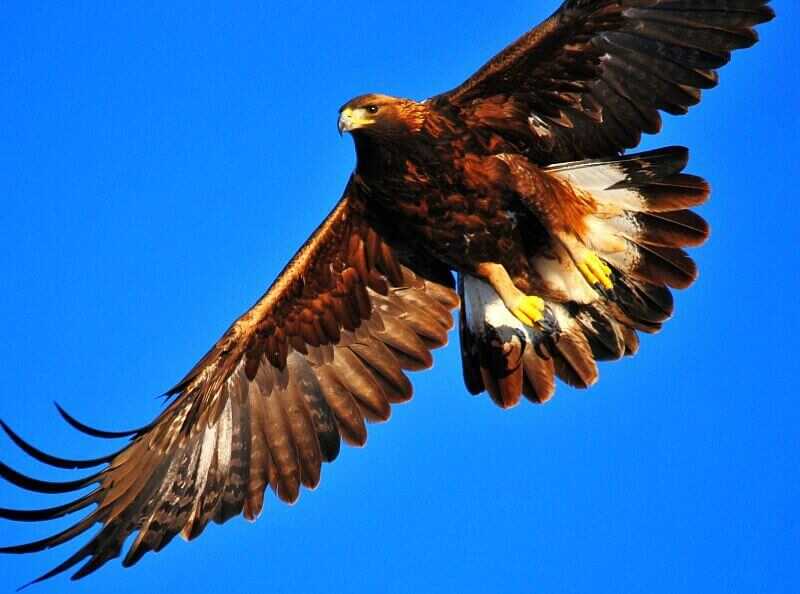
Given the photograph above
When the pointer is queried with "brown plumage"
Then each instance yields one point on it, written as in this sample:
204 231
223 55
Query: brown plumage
516 180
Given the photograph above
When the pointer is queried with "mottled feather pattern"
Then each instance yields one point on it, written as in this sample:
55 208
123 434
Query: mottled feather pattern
521 167
638 208
595 75
271 420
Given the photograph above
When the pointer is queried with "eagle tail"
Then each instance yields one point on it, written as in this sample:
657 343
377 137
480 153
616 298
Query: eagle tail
642 218
500 355
508 359
640 226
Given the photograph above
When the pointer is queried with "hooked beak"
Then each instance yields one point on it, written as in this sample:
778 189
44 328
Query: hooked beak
345 121
353 119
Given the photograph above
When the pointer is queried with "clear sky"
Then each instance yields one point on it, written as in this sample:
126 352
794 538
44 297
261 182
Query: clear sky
160 162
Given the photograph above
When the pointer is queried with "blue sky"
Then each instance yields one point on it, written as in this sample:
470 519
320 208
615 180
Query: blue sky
159 165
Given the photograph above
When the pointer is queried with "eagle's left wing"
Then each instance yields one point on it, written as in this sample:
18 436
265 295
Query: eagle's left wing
324 350
590 79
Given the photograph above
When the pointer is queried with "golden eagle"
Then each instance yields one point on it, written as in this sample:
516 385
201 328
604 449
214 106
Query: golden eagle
564 248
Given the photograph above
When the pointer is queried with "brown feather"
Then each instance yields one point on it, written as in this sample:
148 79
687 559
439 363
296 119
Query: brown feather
349 417
573 360
678 229
609 59
303 434
387 372
259 457
540 381
506 387
669 266
282 449
404 341
354 376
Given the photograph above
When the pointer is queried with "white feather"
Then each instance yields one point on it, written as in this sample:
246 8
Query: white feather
611 232
484 307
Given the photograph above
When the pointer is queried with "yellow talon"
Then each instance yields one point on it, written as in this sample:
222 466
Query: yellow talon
595 271
529 310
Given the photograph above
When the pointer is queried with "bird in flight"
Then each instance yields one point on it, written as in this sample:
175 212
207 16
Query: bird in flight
509 199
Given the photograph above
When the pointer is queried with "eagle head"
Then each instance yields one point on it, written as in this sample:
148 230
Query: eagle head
381 115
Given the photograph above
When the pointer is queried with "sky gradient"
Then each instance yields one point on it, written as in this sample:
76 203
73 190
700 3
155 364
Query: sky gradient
160 164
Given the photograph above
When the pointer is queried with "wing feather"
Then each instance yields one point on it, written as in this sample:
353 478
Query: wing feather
324 350
594 76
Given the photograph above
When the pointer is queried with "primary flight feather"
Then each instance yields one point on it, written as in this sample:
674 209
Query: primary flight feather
564 248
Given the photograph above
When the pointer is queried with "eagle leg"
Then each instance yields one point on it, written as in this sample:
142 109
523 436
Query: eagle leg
528 309
593 268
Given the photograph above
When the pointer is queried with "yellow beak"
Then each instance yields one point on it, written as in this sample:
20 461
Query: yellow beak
353 119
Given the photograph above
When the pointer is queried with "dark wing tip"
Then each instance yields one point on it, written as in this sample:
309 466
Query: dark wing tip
50 513
93 432
766 14
71 562
54 461
52 488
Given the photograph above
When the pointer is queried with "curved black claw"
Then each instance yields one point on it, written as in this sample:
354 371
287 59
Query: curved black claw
546 334
609 294
616 280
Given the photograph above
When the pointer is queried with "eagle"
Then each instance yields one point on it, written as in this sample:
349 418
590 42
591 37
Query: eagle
509 201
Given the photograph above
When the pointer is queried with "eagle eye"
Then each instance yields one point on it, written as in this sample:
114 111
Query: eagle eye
373 109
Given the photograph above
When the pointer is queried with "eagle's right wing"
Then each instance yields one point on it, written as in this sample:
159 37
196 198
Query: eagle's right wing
322 352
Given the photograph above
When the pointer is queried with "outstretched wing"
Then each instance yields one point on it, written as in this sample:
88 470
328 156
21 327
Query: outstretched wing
590 79
322 352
